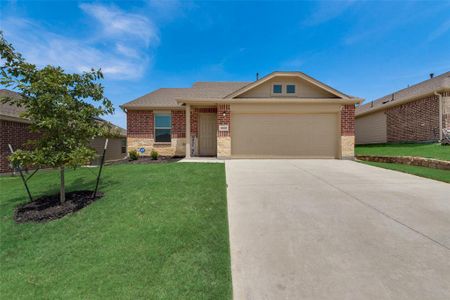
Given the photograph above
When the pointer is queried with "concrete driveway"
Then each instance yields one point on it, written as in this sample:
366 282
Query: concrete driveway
336 229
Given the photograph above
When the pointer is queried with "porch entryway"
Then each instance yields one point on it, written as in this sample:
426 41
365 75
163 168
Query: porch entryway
207 134
201 131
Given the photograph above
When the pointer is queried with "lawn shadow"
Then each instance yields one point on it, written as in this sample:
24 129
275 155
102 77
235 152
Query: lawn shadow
80 183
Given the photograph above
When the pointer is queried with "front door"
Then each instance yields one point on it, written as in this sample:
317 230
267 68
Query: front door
207 139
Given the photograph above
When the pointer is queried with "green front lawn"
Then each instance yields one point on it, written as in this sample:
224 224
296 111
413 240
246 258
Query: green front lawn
421 150
437 174
160 232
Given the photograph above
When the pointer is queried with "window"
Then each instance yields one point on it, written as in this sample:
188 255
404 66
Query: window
277 89
290 89
163 128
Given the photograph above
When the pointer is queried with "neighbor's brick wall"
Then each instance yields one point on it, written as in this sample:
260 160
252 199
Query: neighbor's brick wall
16 134
416 121
140 123
348 120
223 120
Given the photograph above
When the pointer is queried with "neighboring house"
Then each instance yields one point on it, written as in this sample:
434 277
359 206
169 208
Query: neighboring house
282 115
15 130
414 114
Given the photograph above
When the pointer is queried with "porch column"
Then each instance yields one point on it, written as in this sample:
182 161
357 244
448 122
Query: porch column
188 131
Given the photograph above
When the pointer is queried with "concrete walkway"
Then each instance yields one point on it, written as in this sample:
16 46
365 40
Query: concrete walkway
336 229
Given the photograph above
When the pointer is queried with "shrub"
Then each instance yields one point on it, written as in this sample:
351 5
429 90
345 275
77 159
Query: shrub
134 155
154 154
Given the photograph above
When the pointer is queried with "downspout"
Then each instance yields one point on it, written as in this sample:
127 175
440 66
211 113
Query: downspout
440 115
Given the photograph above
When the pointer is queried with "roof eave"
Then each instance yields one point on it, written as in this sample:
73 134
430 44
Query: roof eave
149 107
398 102
14 119
194 101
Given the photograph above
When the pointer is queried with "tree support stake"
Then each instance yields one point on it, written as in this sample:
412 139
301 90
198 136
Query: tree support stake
21 175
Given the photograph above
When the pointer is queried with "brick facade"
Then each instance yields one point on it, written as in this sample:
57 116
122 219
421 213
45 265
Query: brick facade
416 121
140 133
16 134
178 124
348 120
140 123
141 126
223 118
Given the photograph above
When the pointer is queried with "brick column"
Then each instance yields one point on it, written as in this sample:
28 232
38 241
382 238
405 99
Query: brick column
348 131
223 137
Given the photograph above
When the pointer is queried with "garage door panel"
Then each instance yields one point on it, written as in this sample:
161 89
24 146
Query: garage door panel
284 135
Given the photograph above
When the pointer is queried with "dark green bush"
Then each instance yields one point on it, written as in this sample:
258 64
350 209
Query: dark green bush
154 154
134 155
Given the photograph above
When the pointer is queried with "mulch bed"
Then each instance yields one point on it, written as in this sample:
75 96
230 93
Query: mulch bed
149 160
49 208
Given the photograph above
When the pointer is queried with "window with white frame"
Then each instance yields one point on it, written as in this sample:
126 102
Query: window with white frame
163 127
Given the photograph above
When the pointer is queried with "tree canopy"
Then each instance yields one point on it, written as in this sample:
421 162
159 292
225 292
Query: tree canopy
64 108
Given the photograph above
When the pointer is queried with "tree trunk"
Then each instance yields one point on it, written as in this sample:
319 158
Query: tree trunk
62 192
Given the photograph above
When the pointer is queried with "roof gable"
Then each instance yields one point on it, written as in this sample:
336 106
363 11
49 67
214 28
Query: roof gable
300 75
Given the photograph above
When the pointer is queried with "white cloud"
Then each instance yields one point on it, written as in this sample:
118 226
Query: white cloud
122 45
119 24
127 51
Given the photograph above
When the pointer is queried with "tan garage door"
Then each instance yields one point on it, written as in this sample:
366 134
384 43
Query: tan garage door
284 135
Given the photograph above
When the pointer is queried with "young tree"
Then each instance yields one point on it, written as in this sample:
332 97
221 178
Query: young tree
58 105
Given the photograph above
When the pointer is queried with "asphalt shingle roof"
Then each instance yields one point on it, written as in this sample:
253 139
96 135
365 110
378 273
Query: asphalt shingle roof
437 83
166 97
13 111
9 110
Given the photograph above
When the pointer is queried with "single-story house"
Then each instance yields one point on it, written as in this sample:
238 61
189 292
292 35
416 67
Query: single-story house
417 113
14 130
281 115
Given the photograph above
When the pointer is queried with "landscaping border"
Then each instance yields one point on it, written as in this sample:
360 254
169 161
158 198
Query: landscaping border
408 160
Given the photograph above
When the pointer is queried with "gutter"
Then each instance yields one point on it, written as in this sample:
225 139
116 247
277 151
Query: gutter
440 115
269 100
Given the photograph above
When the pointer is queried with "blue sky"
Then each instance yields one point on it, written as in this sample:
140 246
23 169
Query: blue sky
366 49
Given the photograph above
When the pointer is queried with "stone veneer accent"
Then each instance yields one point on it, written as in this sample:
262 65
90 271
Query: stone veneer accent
223 147
223 137
175 148
347 146
348 131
